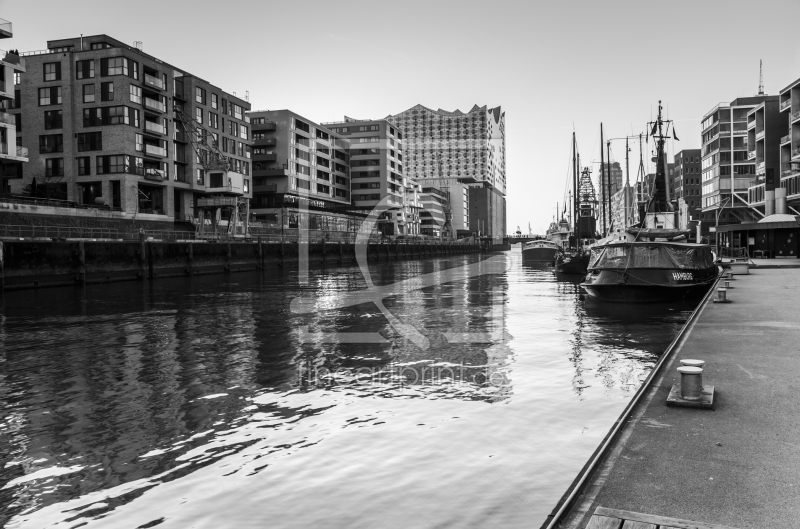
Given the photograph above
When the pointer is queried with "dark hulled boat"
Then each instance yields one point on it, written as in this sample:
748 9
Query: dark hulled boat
648 271
651 263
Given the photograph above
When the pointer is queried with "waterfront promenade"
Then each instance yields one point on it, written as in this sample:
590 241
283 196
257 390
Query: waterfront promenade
738 465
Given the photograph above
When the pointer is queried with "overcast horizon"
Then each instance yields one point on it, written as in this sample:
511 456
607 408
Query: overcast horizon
550 66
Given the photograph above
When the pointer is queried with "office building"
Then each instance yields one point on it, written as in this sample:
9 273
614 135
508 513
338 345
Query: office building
376 169
12 153
100 121
434 212
728 162
453 150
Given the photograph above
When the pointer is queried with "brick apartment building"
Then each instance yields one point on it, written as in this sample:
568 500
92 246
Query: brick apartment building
98 118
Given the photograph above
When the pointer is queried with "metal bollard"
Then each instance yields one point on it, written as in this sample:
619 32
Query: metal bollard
722 296
728 284
693 363
691 382
729 275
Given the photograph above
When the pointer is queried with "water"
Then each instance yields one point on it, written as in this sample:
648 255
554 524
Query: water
203 402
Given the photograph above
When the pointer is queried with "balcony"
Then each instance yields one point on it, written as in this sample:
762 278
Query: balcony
760 168
759 135
267 125
152 104
751 124
265 188
154 150
155 128
157 175
5 29
786 104
795 115
751 155
154 82
790 168
796 153
7 119
269 156
266 142
22 152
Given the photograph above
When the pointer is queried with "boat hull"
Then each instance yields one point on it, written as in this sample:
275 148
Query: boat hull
573 264
541 254
648 285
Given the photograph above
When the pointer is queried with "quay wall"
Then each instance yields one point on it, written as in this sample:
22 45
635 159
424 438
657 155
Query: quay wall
35 264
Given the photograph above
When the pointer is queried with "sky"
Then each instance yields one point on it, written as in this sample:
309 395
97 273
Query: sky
553 66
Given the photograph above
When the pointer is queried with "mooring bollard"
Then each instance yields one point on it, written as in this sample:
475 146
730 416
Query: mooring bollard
729 275
691 382
722 296
728 284
693 363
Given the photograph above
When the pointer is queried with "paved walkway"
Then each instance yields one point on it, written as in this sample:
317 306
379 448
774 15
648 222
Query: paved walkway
738 465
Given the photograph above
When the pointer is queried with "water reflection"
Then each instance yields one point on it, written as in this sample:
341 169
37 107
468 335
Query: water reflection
109 391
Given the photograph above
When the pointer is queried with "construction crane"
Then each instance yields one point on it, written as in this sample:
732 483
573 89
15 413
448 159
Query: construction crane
219 167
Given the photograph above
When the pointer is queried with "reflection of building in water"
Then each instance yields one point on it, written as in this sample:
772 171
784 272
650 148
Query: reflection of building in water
119 385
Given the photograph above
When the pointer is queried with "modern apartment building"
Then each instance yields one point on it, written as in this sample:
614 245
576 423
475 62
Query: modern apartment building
99 119
376 169
728 162
297 161
686 176
789 106
433 215
615 173
12 153
456 149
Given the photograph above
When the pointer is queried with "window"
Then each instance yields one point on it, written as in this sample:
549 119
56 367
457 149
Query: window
107 91
84 166
50 96
88 93
243 132
139 142
90 141
201 179
119 115
198 115
213 120
214 101
84 69
374 127
54 167
119 66
136 94
51 143
323 189
302 184
237 111
53 119
52 71
100 45
246 185
200 95
113 66
112 164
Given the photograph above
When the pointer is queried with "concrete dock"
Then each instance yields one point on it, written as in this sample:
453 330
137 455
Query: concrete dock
737 465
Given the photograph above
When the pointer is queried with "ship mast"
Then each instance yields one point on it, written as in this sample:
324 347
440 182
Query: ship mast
574 188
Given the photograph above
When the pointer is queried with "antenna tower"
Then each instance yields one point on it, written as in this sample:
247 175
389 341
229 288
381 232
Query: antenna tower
760 78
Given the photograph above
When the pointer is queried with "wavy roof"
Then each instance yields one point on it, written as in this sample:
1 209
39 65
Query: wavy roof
496 112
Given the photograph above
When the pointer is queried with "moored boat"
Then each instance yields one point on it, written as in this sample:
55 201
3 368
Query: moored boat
540 251
651 262
650 271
